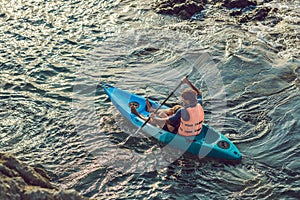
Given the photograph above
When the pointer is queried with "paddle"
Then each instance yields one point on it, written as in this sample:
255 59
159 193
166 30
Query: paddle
140 128
203 58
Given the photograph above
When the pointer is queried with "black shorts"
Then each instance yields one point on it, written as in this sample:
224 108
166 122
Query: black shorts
167 129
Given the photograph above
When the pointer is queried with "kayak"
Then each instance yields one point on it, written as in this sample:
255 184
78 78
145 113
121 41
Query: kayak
209 143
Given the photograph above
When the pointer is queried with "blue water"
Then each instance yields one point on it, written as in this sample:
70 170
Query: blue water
56 56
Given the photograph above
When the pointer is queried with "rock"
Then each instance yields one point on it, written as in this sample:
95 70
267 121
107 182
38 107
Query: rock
29 175
20 181
185 9
236 13
244 10
230 4
261 14
36 193
257 14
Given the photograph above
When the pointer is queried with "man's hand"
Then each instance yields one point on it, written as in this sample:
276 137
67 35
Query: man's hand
185 80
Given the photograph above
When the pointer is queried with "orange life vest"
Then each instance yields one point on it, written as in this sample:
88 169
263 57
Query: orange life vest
193 126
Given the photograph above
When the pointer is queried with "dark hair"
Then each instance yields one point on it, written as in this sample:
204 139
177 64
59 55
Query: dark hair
189 94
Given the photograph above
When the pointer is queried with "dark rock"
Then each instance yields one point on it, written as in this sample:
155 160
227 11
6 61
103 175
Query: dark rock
33 193
236 13
258 14
230 4
42 172
244 10
185 9
261 14
29 175
20 181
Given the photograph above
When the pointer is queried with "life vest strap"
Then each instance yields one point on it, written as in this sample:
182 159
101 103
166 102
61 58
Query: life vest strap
191 125
190 131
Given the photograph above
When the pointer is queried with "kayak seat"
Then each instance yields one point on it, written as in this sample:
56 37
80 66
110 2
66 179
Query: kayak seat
138 102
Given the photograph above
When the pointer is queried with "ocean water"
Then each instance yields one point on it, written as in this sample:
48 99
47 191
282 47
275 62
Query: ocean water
55 57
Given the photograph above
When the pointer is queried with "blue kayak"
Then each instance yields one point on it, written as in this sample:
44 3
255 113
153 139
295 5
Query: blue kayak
209 143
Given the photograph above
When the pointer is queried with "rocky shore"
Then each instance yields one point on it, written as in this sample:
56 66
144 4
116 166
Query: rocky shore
243 10
20 181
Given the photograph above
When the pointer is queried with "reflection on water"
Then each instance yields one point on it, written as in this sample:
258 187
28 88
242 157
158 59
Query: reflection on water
55 57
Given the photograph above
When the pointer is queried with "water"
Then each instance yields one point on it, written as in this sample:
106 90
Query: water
55 57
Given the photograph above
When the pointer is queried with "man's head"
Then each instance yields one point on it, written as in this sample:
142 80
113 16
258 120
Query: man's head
189 96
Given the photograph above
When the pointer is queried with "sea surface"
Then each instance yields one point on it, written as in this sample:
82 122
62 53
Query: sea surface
55 57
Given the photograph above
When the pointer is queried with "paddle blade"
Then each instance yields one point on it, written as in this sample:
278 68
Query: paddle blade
139 129
124 142
201 60
135 133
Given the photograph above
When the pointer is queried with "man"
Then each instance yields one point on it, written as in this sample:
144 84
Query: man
188 120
